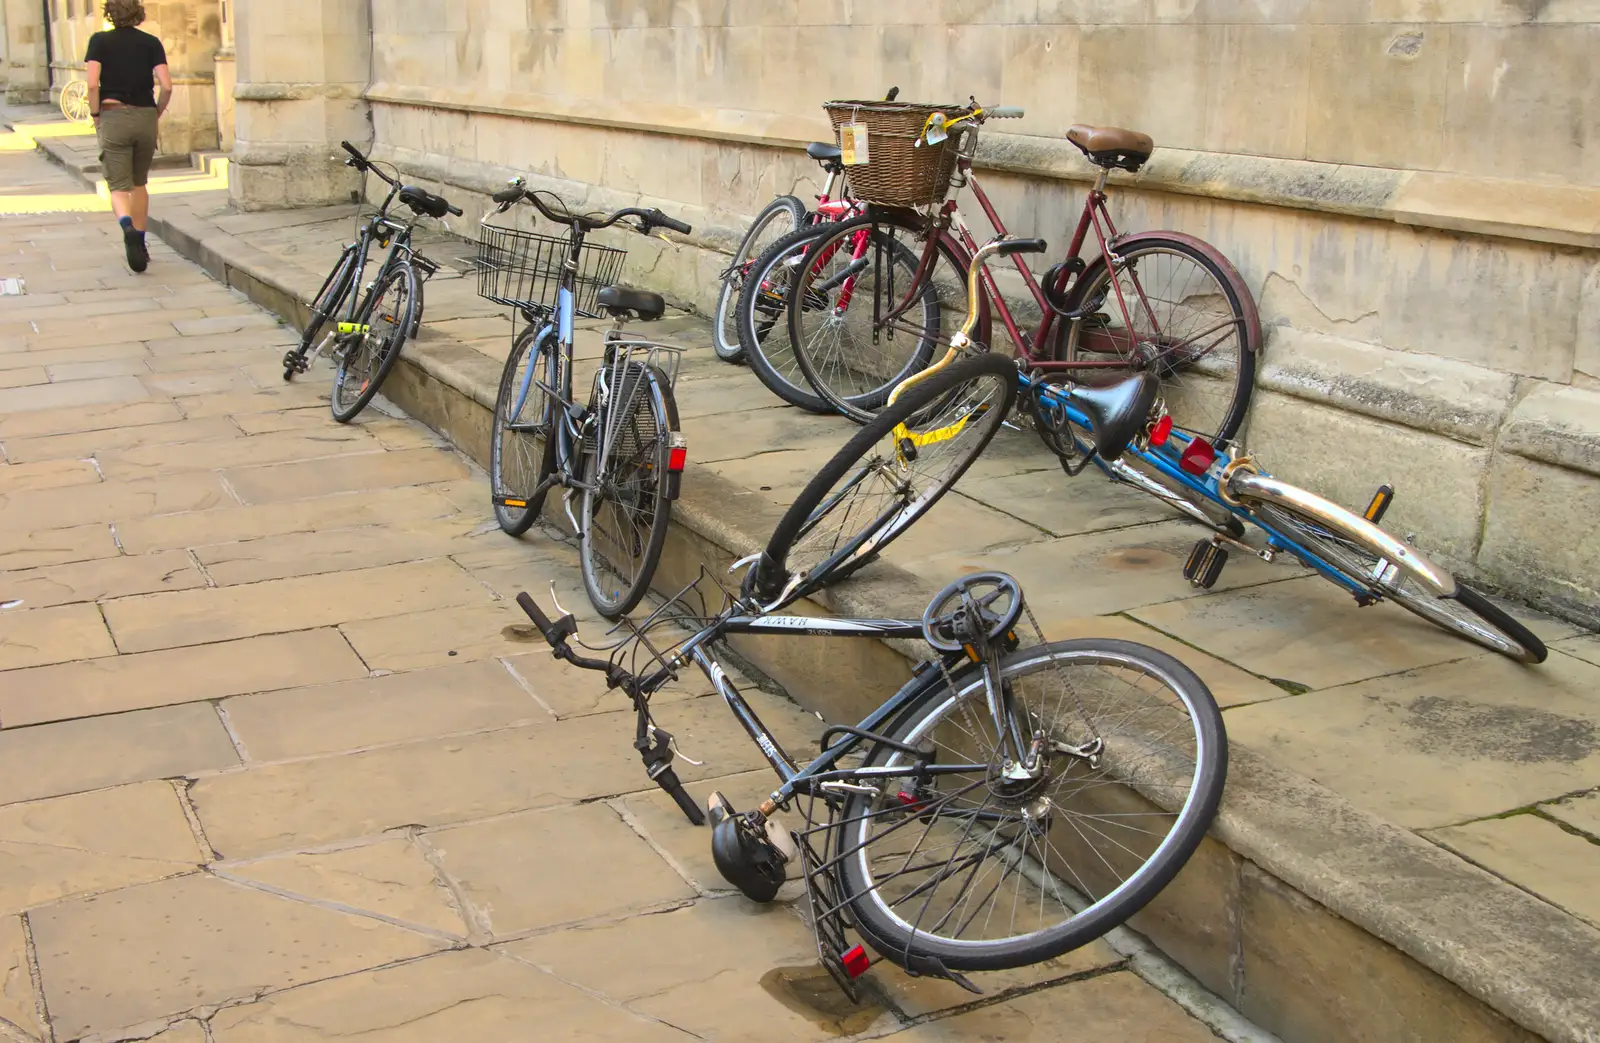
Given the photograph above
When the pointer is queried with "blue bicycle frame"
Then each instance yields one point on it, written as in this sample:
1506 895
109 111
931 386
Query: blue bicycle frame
1164 459
557 386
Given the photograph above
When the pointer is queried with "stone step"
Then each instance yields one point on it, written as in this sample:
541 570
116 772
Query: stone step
1314 918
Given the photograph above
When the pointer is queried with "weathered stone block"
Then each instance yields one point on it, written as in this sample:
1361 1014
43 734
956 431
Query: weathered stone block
1540 535
1557 425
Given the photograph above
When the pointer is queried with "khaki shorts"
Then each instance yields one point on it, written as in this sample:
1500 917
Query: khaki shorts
127 145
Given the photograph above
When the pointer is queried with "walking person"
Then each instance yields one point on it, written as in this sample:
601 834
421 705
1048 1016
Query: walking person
124 64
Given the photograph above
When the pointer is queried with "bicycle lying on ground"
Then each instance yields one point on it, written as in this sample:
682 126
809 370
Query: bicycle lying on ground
622 452
366 343
1009 803
1160 301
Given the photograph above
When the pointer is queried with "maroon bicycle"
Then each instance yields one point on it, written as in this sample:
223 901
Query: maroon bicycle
1158 301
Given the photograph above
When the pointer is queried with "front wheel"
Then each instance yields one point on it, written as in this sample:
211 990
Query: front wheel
890 474
1348 549
781 216
985 864
628 486
384 324
522 443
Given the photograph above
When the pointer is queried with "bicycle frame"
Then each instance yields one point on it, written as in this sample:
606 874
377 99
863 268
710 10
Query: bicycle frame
382 228
1208 485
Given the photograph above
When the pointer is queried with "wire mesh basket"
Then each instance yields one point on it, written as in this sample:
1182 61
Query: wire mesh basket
899 173
523 269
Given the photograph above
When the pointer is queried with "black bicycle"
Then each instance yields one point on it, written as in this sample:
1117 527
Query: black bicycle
622 453
1010 802
366 342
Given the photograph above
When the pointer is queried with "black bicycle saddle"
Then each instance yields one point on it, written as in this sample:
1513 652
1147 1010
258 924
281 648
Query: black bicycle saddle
1117 414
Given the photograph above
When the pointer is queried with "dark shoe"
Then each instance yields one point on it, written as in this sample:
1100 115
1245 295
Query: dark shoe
133 246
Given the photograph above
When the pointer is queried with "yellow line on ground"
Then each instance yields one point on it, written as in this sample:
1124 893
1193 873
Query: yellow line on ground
99 201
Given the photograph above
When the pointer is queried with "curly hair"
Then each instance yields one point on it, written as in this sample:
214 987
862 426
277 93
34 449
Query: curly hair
124 13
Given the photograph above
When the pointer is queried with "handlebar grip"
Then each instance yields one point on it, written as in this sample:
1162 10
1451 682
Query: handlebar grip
658 218
455 211
1006 112
894 92
1022 246
668 780
531 607
508 195
352 150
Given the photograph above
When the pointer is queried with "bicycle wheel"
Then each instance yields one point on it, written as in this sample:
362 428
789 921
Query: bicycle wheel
522 443
324 306
759 318
1467 613
868 315
75 102
998 867
876 486
782 216
389 314
1188 318
628 487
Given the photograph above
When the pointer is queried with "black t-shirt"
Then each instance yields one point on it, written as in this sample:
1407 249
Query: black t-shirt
128 58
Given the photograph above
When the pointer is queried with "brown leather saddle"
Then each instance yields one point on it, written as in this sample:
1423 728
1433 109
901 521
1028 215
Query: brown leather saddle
1112 146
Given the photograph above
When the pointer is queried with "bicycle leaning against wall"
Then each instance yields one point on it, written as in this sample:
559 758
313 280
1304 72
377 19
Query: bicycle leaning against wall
371 327
622 452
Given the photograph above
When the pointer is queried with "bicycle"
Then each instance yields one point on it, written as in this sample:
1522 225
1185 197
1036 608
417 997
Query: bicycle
367 342
623 452
1203 344
786 212
74 101
1100 425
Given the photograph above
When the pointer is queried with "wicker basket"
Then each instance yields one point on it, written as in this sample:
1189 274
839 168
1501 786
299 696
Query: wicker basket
897 173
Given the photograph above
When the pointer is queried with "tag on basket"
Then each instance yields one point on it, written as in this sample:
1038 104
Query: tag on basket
853 144
936 130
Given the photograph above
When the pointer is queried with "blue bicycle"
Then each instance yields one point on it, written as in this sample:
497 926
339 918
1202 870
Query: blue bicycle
622 452
913 451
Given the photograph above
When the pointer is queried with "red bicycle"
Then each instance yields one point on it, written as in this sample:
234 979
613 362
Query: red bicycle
1162 301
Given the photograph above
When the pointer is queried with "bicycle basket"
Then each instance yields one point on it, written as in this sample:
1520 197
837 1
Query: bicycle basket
523 269
898 173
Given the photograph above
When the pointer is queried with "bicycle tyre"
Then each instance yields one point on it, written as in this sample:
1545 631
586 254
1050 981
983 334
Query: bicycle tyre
1217 423
825 362
984 386
74 102
327 302
763 332
643 439
398 319
1096 803
786 213
541 356
1466 613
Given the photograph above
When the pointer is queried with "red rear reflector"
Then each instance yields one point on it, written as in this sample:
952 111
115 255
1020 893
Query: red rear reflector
1198 458
1162 431
855 962
677 457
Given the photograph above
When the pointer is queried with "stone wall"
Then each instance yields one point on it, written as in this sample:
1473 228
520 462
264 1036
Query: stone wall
26 68
1410 188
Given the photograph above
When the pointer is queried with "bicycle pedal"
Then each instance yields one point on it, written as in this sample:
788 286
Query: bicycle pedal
1380 504
1205 564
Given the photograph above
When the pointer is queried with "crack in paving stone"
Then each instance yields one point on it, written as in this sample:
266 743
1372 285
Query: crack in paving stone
182 787
632 822
479 931
335 906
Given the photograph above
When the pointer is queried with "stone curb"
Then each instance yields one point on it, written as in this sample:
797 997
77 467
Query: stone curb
1299 886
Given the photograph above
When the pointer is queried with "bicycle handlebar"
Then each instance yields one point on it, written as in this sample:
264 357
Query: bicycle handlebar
1005 112
366 166
648 218
1007 247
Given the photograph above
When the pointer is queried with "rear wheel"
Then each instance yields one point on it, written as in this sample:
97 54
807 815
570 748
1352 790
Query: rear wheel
863 315
1188 319
781 217
628 487
759 319
888 476
1466 613
389 315
1005 864
522 444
